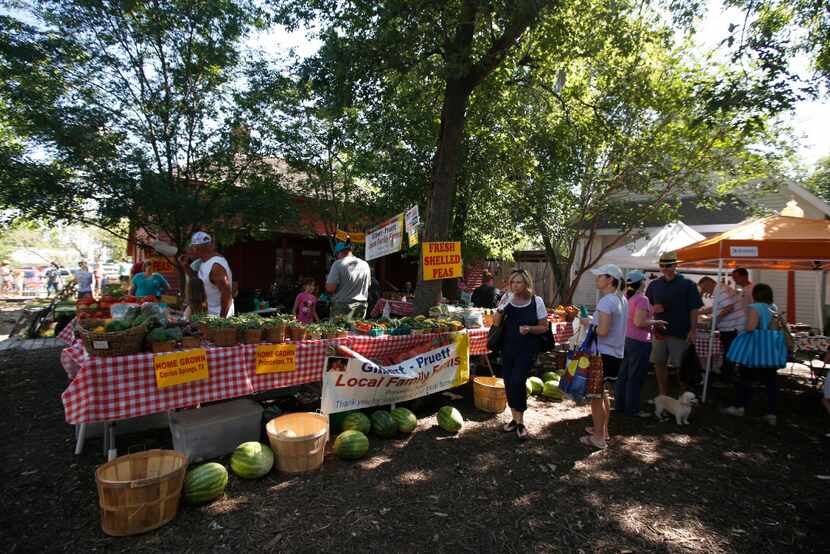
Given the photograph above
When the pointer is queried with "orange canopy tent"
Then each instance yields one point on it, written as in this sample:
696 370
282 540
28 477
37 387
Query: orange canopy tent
775 242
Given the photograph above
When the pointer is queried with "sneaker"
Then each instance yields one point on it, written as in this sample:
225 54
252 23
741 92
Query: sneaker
733 411
771 419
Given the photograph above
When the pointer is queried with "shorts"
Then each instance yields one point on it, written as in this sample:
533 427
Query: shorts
603 369
669 349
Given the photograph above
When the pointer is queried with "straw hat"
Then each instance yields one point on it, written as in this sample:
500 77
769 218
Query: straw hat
668 259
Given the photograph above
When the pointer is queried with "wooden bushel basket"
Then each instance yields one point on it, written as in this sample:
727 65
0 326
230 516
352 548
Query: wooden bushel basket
489 395
225 336
251 336
274 334
140 492
305 450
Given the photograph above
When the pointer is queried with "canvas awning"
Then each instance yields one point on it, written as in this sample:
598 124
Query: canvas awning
774 242
644 252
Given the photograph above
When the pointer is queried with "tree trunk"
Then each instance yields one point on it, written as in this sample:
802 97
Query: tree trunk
445 168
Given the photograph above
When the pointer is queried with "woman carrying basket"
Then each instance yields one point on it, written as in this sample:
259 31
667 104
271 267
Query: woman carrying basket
524 317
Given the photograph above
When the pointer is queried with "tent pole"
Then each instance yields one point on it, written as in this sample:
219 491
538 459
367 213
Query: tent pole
712 331
820 301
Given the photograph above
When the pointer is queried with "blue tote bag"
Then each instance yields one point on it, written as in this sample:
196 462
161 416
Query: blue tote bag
759 348
575 381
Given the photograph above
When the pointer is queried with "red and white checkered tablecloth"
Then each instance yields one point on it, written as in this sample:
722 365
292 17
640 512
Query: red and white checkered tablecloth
562 331
114 388
396 307
702 349
67 334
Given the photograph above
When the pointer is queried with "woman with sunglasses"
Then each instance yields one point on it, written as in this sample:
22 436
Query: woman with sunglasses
524 317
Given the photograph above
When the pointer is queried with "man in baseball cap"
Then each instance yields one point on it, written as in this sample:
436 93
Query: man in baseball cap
214 272
348 283
676 300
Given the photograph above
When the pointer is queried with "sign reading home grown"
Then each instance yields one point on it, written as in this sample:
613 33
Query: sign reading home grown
384 238
441 260
355 237
355 383
177 368
275 358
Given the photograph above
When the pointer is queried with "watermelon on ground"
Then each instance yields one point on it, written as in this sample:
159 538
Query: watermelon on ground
536 385
351 445
252 460
552 390
550 376
450 419
528 387
406 420
357 421
336 420
205 483
383 424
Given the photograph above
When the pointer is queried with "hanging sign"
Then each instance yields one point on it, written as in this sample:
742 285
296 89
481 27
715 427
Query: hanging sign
355 383
354 236
441 260
413 220
180 367
743 251
160 264
385 238
275 358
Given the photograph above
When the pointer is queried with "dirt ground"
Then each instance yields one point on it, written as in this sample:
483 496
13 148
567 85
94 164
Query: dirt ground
720 484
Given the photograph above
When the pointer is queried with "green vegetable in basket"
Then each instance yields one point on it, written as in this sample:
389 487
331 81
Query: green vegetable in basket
158 335
174 333
116 326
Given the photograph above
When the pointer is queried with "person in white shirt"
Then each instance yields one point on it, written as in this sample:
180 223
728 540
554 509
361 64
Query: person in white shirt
731 319
214 272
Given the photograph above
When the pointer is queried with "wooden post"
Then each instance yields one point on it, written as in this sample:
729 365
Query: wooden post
791 297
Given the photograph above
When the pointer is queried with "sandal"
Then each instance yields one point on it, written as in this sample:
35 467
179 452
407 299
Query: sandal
510 427
521 432
590 431
589 440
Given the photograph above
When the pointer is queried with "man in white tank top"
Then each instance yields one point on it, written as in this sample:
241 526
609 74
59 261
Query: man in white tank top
215 274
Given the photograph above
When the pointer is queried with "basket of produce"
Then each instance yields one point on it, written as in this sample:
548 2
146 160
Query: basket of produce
112 337
250 328
295 330
273 329
313 332
226 335
140 492
163 340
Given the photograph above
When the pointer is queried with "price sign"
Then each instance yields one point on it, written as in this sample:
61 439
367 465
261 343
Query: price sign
275 358
180 367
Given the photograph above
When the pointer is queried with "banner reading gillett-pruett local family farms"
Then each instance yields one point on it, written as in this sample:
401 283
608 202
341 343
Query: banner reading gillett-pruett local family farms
433 365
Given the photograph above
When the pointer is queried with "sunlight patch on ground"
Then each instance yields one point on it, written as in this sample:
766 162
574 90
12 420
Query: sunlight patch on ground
642 448
661 526
527 500
413 476
485 463
226 505
682 440
374 462
285 485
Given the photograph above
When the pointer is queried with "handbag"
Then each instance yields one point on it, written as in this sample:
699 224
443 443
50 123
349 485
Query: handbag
778 324
574 383
546 340
495 337
759 348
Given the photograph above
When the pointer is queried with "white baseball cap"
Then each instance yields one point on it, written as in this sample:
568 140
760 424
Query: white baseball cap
609 269
200 238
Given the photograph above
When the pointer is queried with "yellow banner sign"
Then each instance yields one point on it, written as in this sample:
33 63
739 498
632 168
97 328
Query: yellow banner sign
441 260
180 367
275 358
356 237
161 264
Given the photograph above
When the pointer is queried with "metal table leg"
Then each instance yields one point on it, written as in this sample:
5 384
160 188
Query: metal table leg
80 432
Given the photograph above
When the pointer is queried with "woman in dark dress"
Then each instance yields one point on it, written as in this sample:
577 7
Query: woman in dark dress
524 317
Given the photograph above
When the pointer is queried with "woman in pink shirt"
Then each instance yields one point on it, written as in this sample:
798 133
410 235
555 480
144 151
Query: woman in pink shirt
305 303
635 362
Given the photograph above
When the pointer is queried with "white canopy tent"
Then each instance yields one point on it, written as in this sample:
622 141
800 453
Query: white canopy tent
644 252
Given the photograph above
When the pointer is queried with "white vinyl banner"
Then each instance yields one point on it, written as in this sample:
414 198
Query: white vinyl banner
385 238
356 383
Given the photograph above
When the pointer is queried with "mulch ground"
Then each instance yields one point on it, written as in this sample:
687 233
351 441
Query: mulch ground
720 484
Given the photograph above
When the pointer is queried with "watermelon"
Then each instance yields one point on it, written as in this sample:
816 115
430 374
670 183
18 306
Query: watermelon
450 419
552 390
536 385
550 376
405 419
205 483
528 387
357 421
252 460
383 424
351 445
336 420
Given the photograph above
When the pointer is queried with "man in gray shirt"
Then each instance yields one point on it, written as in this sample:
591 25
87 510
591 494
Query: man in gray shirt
348 283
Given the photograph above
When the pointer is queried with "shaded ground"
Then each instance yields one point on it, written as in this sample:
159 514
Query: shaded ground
718 485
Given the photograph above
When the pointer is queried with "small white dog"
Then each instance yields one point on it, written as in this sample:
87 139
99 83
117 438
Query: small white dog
680 408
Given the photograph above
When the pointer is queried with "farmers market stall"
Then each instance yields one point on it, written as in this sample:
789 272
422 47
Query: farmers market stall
396 307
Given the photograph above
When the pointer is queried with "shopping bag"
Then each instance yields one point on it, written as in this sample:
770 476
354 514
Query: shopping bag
759 348
574 383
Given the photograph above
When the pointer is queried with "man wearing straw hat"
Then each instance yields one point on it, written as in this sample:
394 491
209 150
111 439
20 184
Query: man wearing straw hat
676 301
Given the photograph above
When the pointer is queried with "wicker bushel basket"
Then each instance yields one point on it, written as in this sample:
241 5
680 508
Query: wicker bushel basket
251 336
274 334
140 492
299 441
120 343
489 395
225 336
